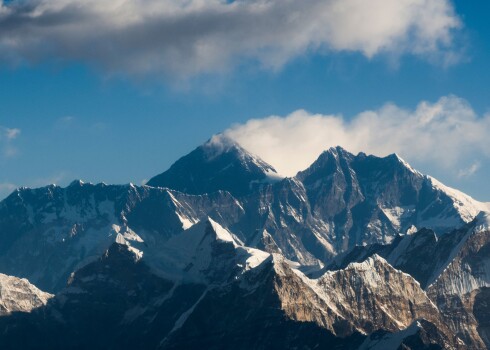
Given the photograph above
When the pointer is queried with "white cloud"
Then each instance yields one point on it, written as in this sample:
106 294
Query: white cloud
7 136
11 134
471 170
189 37
444 134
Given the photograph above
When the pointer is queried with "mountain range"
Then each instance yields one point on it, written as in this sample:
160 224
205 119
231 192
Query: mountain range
220 251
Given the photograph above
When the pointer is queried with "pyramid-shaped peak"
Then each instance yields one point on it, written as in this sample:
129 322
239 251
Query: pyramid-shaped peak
326 163
219 164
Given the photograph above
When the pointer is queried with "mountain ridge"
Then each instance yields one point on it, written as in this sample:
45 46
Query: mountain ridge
354 251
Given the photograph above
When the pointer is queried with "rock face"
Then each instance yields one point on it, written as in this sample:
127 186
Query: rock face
117 301
221 252
18 295
453 269
460 291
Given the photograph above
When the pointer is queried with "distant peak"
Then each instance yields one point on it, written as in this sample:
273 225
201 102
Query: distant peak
75 183
218 164
369 263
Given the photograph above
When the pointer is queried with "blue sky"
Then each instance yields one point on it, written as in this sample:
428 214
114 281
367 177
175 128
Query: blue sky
70 107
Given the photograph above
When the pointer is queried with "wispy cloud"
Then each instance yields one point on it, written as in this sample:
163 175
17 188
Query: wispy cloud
471 170
444 134
186 38
7 137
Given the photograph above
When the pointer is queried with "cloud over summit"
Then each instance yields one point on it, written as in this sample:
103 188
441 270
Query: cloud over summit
191 37
447 134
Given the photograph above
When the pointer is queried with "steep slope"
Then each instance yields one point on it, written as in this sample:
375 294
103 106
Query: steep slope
117 301
19 295
275 296
367 199
47 233
454 270
340 201
461 287
219 164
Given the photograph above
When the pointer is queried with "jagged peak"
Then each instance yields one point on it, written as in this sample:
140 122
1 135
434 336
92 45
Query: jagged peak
336 151
374 263
374 260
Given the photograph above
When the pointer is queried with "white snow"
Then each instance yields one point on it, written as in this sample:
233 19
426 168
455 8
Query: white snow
256 257
468 207
186 220
391 340
221 233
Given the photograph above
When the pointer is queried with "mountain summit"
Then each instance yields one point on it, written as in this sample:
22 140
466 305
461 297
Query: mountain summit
219 164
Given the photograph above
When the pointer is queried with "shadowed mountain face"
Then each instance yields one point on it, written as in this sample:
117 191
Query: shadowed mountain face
219 164
221 252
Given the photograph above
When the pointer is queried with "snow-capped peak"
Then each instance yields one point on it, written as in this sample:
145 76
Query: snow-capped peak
369 263
219 164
